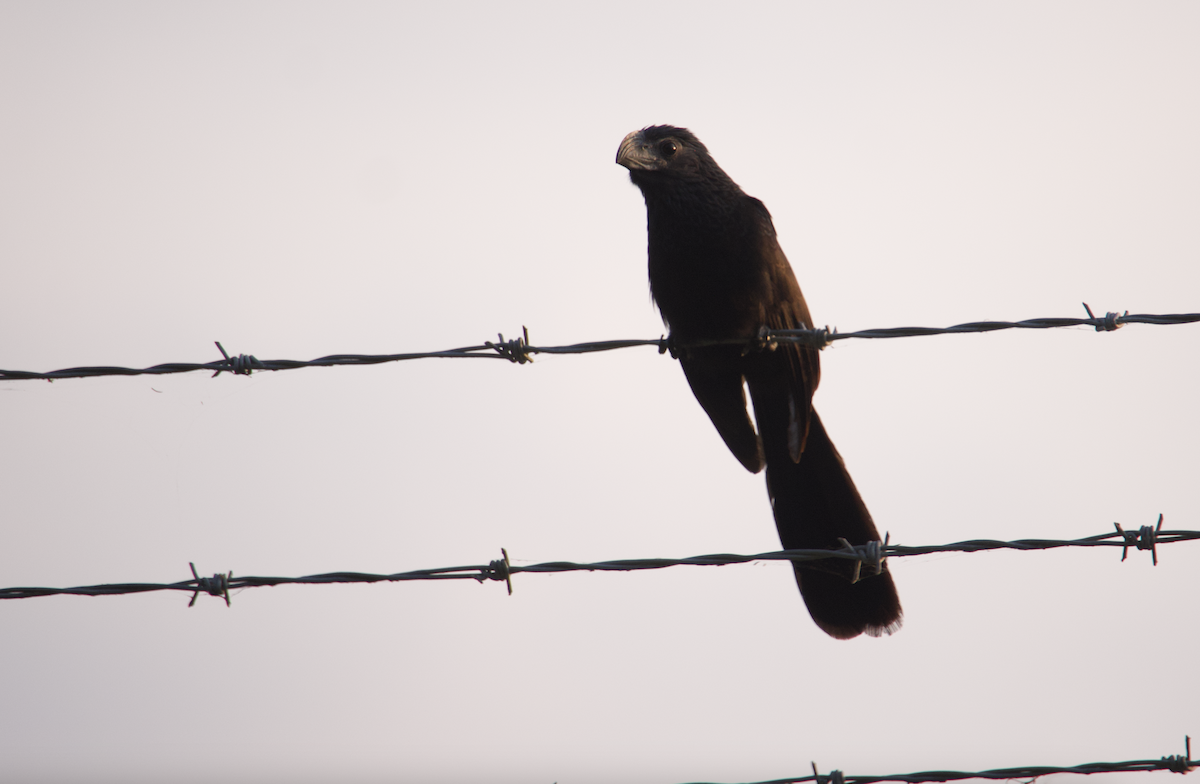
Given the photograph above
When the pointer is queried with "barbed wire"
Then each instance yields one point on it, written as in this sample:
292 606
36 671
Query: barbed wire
871 555
520 351
1176 763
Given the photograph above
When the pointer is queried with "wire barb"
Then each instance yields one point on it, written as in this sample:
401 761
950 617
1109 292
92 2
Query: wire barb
499 569
870 554
1110 323
241 365
217 585
851 549
1145 538
834 777
516 351
1181 764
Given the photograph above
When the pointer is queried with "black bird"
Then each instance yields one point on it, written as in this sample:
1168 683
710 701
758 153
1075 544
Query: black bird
717 273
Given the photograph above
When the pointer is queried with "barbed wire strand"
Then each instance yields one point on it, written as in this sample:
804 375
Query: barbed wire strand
1176 763
872 554
520 351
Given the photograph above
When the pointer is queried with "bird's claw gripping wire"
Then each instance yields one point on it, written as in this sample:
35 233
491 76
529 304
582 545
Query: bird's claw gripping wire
768 339
763 341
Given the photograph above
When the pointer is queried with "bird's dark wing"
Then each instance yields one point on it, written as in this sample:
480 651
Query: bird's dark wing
715 375
796 366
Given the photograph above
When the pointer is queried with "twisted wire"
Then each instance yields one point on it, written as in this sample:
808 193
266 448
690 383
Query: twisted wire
520 351
872 554
1176 763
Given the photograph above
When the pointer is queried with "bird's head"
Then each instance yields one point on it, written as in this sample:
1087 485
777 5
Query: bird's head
664 152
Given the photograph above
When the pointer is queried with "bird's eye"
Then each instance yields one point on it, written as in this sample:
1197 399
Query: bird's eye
668 148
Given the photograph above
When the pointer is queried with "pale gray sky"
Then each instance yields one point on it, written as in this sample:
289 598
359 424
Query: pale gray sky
299 179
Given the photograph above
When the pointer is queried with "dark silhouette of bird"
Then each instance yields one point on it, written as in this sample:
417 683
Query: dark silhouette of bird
717 273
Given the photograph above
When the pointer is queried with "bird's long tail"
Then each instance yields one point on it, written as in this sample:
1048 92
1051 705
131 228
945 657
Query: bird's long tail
816 504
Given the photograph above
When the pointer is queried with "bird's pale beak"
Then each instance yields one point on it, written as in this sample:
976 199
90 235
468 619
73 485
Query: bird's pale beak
635 153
